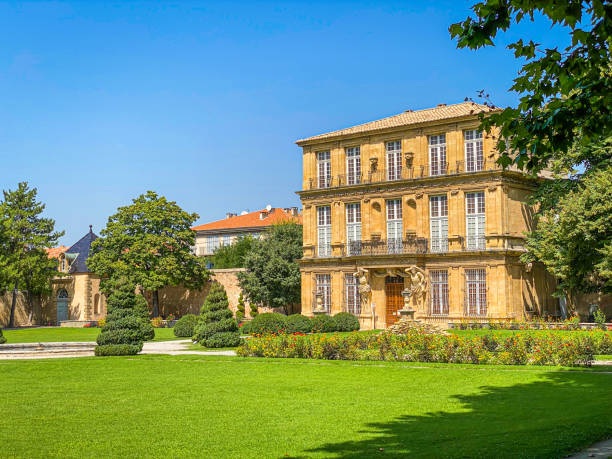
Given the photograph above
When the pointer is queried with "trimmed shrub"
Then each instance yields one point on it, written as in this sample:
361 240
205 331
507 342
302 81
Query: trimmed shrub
268 322
185 326
346 322
240 313
323 323
117 349
141 310
245 328
297 323
125 329
217 327
2 338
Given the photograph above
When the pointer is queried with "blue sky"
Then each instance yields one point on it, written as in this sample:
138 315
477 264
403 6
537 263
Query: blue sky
203 101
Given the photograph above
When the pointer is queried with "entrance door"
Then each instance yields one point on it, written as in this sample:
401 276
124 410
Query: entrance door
395 300
62 305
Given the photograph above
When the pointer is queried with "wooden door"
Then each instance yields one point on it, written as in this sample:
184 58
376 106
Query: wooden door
395 300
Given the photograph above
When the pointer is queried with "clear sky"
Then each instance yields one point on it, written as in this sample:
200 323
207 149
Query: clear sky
203 101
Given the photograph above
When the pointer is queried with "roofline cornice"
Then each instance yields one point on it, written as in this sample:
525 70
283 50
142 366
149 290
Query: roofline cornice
310 141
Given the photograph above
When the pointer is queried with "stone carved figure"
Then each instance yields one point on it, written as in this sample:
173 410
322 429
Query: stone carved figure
364 288
418 284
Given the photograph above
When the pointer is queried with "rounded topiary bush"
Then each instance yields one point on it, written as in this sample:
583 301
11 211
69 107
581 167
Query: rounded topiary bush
268 322
345 322
217 326
185 326
323 323
297 323
2 338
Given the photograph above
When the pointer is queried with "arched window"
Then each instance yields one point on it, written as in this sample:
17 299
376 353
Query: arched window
97 304
62 293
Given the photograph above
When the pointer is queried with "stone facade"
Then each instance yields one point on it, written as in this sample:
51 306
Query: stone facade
398 185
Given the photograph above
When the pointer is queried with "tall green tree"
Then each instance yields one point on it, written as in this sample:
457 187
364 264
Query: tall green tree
232 256
24 237
150 243
272 276
562 122
565 94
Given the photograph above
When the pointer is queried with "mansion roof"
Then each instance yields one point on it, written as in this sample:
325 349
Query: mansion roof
261 218
407 118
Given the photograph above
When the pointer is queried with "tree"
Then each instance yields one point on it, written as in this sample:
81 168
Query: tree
218 328
232 256
565 95
574 238
125 330
562 122
24 236
272 276
149 242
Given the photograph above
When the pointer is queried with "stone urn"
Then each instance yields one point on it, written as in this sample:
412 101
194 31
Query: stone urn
407 313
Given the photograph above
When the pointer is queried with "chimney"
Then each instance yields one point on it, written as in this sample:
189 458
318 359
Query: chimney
230 215
441 105
263 214
294 211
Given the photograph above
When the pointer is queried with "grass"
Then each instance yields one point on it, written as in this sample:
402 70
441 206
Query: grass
185 406
68 334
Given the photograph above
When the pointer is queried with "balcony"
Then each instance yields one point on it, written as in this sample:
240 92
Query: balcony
410 246
404 173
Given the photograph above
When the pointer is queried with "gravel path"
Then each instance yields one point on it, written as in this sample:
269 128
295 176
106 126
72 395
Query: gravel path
19 351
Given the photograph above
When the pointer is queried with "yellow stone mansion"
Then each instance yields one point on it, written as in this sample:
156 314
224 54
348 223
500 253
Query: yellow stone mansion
418 192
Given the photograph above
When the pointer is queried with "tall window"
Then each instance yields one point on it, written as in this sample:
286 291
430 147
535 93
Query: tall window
474 160
324 169
353 229
226 239
394 160
324 288
476 291
439 292
324 230
475 220
438 222
212 243
353 166
353 300
394 226
437 154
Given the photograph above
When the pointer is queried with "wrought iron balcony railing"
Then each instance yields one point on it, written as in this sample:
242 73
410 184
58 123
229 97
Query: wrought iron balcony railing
403 173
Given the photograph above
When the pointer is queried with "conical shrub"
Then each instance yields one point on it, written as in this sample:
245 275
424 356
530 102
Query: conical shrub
2 338
125 330
217 327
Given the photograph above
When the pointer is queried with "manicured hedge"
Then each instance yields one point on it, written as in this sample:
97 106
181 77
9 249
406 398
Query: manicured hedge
268 322
185 326
544 349
322 323
117 349
297 323
346 322
2 338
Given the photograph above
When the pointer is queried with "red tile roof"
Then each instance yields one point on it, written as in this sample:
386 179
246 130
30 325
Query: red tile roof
251 220
55 252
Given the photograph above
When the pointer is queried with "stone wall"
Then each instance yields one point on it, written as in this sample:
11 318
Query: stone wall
22 309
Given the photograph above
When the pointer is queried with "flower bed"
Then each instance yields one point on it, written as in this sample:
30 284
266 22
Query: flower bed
569 324
415 346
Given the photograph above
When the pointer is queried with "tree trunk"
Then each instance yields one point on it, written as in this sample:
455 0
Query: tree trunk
155 303
13 305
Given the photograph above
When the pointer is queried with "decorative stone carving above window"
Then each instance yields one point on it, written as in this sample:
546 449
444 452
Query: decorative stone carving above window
373 164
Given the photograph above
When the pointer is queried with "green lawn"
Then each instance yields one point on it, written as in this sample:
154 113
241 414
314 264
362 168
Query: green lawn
193 406
68 334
